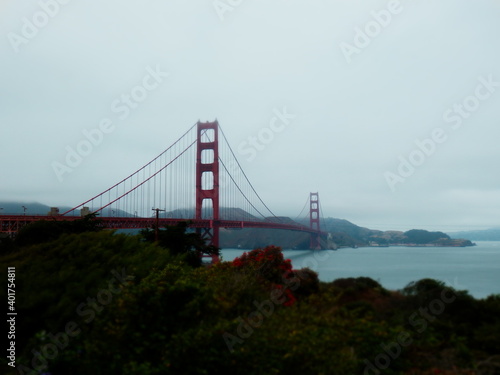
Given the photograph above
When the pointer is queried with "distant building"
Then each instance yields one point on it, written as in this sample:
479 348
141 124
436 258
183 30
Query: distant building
54 211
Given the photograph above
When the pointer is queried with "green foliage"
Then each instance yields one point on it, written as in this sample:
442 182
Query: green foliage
357 284
420 236
6 244
179 241
173 321
53 278
172 318
45 231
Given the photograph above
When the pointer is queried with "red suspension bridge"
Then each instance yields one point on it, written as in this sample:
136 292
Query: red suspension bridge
210 194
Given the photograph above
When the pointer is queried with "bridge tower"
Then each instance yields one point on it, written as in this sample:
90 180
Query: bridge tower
314 243
207 173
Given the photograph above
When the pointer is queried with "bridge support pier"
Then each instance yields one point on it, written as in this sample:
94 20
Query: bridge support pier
207 180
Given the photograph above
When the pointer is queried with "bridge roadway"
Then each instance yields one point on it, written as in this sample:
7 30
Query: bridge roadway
12 223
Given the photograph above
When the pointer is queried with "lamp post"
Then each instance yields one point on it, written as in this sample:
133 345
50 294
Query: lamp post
157 222
24 208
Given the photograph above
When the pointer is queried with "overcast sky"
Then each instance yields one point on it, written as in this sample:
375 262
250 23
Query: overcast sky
391 108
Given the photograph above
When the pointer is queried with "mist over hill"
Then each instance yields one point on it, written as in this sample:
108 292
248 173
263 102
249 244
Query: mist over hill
492 234
39 209
32 208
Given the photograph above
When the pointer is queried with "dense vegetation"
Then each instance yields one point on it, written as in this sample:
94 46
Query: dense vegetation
97 302
420 236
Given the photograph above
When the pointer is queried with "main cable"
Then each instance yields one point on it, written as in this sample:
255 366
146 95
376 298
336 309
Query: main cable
244 174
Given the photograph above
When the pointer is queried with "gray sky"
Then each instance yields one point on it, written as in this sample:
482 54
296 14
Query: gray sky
364 81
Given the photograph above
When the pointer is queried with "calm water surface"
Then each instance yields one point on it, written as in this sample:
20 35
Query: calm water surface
476 269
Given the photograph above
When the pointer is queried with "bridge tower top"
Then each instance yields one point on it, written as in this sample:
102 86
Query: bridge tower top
314 220
314 211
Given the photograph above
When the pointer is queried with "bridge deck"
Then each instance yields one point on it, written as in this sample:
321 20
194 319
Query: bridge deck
12 223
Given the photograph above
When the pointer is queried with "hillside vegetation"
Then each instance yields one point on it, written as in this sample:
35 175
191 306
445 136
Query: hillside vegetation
97 302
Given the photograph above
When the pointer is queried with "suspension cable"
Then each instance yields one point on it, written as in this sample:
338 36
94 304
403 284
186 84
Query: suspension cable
303 208
244 174
149 178
243 194
137 171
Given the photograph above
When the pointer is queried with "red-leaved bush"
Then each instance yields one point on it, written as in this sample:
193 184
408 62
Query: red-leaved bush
269 265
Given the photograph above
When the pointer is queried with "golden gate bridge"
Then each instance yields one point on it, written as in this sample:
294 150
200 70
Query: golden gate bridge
212 193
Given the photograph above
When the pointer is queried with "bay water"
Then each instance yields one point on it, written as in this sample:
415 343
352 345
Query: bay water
475 269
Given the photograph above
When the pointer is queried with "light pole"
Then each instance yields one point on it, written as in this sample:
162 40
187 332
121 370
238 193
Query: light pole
157 222
24 208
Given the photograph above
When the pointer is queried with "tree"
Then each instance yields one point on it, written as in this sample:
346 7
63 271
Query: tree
44 230
179 241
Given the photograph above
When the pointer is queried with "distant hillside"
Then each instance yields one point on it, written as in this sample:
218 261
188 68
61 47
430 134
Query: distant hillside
345 233
492 234
32 208
35 208
225 213
342 232
250 238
